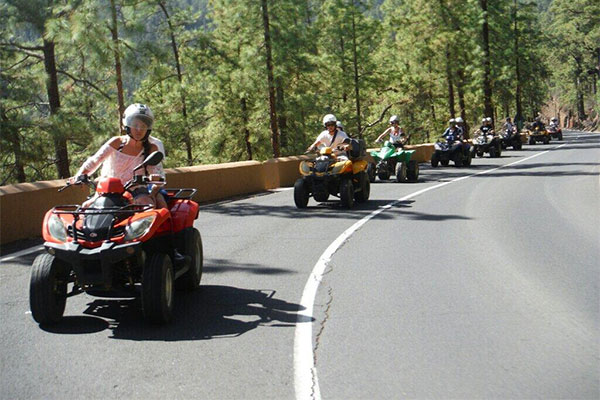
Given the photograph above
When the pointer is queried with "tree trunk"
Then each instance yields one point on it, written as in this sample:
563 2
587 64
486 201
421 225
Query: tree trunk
343 65
487 85
246 130
461 99
15 144
114 31
60 142
356 77
281 118
186 132
450 84
272 108
579 89
518 120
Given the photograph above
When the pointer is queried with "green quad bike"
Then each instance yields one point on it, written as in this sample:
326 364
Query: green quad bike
392 160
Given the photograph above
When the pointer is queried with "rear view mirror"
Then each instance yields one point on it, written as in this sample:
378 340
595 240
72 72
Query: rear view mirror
153 159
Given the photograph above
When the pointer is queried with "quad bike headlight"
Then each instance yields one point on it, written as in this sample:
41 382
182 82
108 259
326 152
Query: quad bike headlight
138 228
56 228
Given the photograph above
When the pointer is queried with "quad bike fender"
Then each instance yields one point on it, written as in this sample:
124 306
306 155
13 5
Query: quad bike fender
161 223
183 214
342 167
358 166
404 155
375 155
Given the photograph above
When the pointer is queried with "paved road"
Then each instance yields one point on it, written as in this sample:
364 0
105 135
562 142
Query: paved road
486 287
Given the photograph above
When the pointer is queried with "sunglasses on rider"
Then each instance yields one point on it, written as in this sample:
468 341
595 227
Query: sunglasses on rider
330 124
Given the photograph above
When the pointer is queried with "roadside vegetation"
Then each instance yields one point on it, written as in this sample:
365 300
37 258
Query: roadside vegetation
236 80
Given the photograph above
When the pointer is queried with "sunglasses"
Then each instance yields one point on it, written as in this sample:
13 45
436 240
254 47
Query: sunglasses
330 124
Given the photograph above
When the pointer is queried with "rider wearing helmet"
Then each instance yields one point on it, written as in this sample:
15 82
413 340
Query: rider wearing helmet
397 136
554 122
452 133
331 136
486 126
508 126
120 154
538 124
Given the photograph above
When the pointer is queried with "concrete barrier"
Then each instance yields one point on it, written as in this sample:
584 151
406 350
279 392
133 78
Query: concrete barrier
23 206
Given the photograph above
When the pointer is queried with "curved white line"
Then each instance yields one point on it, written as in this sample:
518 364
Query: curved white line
21 253
306 382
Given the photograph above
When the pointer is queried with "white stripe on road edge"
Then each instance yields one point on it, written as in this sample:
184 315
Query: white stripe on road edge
21 253
306 382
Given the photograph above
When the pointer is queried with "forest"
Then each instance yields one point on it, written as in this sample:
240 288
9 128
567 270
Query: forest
232 80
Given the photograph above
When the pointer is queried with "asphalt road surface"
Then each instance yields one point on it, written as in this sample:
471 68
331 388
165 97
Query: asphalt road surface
479 282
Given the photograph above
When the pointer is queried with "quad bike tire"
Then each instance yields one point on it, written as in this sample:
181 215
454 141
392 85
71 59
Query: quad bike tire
493 152
434 160
301 194
467 160
480 154
47 289
458 160
531 141
498 151
517 146
560 137
192 247
371 172
157 288
412 173
365 188
401 172
546 140
445 163
383 174
347 193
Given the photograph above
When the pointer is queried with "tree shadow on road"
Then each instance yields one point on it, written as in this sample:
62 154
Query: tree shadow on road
212 312
329 209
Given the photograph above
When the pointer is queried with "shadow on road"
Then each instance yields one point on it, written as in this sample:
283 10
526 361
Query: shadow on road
219 265
212 312
329 209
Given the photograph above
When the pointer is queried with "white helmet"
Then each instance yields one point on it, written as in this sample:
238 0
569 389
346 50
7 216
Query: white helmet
394 118
488 119
483 120
138 111
459 120
339 125
554 119
329 118
451 121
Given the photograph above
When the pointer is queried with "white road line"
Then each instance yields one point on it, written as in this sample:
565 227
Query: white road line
306 382
21 253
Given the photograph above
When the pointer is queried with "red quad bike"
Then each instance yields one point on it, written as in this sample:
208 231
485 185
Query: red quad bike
116 246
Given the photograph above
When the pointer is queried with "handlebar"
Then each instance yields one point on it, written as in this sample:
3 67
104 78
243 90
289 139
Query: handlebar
80 180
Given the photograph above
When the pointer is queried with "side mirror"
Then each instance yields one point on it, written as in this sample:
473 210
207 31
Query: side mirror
153 159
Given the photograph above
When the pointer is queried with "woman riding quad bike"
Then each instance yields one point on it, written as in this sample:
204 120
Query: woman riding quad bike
486 140
538 132
115 244
451 147
335 175
554 130
391 159
510 135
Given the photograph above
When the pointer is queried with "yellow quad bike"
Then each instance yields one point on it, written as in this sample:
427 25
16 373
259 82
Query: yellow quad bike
539 135
339 176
